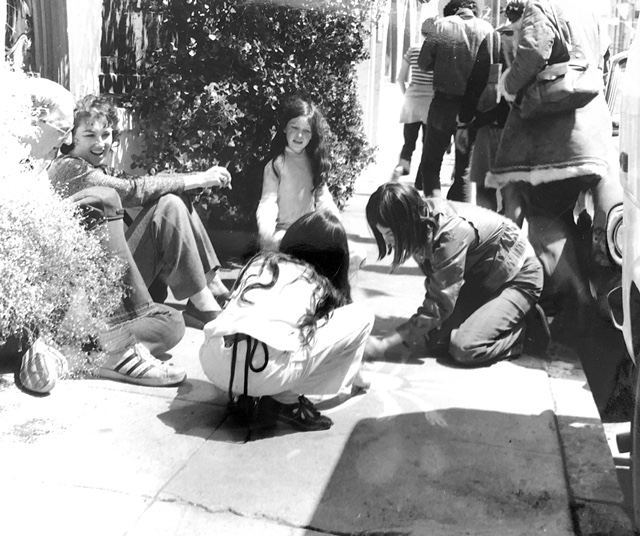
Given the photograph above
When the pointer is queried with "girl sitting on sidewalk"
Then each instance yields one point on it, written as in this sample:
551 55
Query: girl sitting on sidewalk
295 179
290 328
167 238
483 278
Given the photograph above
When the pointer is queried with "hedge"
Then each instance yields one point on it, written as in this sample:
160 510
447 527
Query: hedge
213 88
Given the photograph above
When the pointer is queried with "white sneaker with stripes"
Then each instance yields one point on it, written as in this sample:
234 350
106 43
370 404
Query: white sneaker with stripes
137 365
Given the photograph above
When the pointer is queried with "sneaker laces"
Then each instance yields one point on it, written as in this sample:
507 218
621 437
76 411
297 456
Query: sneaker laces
144 354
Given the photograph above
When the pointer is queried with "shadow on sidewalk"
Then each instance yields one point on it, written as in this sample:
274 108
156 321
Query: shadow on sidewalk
453 471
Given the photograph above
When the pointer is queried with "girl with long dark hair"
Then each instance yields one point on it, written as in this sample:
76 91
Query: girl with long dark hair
483 279
290 329
295 179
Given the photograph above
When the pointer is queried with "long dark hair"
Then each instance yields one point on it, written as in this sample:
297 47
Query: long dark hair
316 150
400 208
320 239
317 241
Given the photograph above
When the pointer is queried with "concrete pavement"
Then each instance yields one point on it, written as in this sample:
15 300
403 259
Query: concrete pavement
429 450
513 449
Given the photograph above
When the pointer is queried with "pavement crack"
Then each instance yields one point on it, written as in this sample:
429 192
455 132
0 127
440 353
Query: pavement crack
279 521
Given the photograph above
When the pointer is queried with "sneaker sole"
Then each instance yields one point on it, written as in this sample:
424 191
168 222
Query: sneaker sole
148 382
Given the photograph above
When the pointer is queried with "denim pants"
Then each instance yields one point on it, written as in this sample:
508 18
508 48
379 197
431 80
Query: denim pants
168 239
486 327
441 126
156 326
327 367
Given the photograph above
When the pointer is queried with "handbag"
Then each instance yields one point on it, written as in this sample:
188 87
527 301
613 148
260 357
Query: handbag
490 97
560 87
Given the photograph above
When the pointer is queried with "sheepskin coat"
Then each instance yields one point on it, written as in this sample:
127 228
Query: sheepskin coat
571 144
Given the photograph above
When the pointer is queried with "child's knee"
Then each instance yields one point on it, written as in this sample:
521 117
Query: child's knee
462 348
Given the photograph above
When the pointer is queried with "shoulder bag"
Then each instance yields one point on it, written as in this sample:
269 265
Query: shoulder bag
490 97
560 87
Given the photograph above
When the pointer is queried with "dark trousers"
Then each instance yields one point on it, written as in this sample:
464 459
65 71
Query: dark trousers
411 132
441 126
554 235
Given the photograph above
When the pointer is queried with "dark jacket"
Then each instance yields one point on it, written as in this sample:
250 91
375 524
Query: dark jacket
450 50
478 80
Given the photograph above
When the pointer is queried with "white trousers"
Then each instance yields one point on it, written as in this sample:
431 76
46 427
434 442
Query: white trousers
327 367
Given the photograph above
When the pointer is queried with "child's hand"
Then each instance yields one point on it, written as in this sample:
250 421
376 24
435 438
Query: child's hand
391 345
374 348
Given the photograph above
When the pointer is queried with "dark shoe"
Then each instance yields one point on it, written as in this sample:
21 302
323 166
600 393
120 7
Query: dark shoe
247 411
302 416
195 318
537 334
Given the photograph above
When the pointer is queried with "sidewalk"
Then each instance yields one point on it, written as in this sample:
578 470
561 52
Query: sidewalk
513 449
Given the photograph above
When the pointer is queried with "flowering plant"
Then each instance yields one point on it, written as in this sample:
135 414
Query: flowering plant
49 265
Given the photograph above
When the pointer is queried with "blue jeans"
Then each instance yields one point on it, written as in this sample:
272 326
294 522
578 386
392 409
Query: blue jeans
156 326
487 327
441 126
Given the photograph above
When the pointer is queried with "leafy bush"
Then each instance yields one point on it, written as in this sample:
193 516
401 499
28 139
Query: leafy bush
213 90
49 264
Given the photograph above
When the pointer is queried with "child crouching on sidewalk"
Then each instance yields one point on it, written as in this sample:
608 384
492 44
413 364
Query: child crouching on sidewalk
290 329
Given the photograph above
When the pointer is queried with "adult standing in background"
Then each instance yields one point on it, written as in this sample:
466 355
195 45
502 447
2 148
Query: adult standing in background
486 115
450 51
550 160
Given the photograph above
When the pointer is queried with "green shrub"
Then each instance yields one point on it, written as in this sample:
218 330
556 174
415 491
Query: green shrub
213 90
56 280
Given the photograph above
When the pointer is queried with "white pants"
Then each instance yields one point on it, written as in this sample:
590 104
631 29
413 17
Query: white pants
327 367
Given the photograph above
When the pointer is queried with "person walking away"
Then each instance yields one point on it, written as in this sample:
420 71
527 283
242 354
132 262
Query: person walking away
417 99
486 118
548 161
450 52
